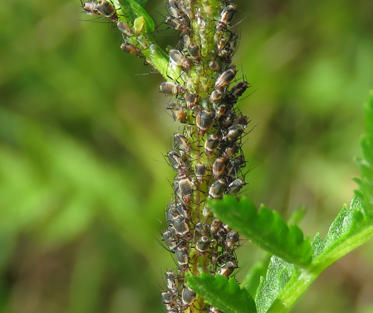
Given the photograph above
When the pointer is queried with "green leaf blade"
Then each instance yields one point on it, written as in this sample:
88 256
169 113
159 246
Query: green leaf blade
223 293
265 227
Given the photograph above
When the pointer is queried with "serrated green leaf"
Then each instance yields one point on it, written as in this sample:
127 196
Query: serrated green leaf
265 227
223 293
278 274
352 227
253 277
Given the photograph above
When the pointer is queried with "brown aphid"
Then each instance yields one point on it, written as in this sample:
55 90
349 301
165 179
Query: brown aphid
216 96
227 268
177 24
104 8
226 16
187 296
232 239
179 59
181 142
225 78
206 212
191 99
185 188
175 9
215 225
171 212
171 281
234 132
211 143
183 211
220 111
217 189
180 225
175 160
212 309
131 49
202 244
236 185
238 89
201 229
178 113
169 237
204 120
214 66
235 165
200 171
194 50
89 7
182 256
124 28
171 88
167 297
218 167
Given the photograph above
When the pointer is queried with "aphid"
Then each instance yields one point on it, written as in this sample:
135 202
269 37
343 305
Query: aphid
181 142
185 188
125 28
232 239
220 111
183 211
235 165
204 120
131 49
178 113
187 296
211 143
203 244
206 212
175 160
238 90
215 225
214 310
227 268
193 50
214 66
216 95
171 212
228 119
175 10
229 151
89 7
169 237
226 16
234 132
191 100
201 228
171 88
200 171
217 189
167 297
179 59
236 185
177 24
225 78
104 8
182 255
218 167
181 227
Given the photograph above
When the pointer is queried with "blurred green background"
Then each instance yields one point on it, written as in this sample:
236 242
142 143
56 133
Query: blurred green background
83 133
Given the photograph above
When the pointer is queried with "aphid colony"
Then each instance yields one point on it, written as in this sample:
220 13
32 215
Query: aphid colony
206 157
206 154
